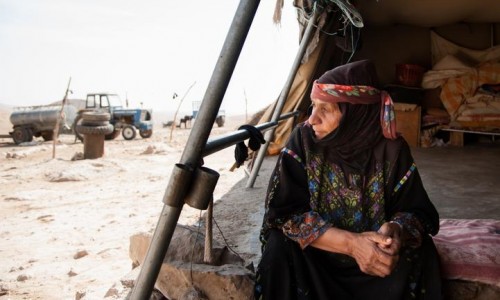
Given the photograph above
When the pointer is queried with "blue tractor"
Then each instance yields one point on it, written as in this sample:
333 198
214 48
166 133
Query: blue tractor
125 120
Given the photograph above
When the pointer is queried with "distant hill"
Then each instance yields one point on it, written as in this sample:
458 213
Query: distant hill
5 111
5 106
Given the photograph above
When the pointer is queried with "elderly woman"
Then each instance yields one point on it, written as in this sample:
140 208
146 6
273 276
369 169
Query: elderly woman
347 216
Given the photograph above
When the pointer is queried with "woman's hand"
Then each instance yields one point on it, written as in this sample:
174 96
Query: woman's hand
394 231
375 253
370 250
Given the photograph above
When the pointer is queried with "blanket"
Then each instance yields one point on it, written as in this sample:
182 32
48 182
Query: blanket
461 72
470 250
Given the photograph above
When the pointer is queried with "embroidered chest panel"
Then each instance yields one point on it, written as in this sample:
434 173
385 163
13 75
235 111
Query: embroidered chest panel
354 203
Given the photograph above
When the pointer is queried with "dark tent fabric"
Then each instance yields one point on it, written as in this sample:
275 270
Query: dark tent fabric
394 31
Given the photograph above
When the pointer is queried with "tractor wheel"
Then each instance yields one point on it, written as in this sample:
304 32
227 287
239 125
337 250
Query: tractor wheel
128 132
146 133
97 130
96 116
113 135
76 123
94 123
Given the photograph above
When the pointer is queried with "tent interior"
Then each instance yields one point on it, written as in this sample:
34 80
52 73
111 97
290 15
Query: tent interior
435 58
418 47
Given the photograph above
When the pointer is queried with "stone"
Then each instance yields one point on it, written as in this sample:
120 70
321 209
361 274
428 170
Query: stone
23 277
72 273
80 254
183 275
80 294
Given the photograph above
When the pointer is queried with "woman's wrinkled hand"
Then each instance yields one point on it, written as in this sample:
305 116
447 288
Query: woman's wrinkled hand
393 231
375 253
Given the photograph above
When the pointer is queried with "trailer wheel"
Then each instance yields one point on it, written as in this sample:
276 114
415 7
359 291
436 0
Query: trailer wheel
128 132
146 133
19 135
48 135
29 135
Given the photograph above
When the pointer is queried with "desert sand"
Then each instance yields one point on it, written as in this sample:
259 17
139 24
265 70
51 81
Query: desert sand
65 224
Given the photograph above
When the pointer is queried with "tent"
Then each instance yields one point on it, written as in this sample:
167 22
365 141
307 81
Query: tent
393 33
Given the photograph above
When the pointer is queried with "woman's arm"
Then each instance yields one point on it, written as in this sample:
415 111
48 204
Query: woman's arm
367 248
408 203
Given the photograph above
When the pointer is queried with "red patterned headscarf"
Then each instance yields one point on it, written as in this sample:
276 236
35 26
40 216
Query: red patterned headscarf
360 94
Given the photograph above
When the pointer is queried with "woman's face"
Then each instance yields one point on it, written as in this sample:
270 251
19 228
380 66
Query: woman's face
325 117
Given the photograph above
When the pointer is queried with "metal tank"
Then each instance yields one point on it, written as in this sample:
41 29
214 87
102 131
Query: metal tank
40 121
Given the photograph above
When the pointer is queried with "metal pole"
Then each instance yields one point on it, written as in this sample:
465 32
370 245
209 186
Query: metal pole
197 139
223 141
283 96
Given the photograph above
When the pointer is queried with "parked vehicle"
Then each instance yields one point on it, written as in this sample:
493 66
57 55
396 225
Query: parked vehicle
40 121
125 120
219 120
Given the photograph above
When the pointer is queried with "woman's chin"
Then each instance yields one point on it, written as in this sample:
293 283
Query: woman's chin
319 135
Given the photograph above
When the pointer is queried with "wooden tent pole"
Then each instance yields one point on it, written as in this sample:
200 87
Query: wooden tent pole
177 111
55 132
192 155
284 95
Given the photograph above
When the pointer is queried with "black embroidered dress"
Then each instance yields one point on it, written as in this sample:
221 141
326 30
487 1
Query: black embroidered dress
308 194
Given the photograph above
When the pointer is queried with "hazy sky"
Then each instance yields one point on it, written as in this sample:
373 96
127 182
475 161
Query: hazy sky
146 50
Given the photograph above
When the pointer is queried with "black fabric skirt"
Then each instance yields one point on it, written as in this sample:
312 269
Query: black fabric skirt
288 272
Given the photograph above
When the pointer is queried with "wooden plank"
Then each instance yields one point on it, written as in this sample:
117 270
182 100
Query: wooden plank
476 131
457 134
456 138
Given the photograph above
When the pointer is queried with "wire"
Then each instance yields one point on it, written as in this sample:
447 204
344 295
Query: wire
225 240
306 17
196 240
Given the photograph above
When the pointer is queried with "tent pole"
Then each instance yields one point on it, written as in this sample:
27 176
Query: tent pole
283 96
192 155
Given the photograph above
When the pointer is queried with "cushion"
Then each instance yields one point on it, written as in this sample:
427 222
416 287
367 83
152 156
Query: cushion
470 249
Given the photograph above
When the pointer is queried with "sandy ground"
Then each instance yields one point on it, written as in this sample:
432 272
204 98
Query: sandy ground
65 225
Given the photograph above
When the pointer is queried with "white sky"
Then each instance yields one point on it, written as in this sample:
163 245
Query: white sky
146 50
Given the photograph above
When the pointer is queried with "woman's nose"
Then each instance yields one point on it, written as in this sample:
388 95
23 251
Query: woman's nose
312 118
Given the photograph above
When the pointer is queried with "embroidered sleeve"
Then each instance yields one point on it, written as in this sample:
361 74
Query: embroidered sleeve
305 228
411 224
293 155
405 177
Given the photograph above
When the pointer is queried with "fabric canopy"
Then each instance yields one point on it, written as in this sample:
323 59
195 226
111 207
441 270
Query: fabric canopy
323 52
